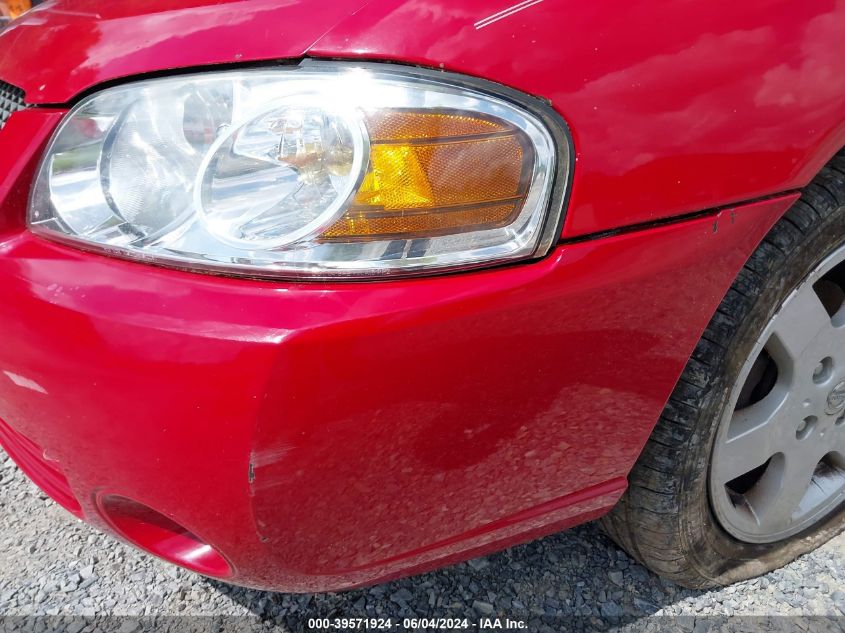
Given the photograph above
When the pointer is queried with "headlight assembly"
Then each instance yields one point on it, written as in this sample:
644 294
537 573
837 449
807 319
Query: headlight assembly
319 170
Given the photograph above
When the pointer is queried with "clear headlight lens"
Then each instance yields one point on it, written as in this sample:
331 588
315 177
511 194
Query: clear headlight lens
319 170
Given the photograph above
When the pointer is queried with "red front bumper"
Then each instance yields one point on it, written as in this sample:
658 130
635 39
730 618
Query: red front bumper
321 435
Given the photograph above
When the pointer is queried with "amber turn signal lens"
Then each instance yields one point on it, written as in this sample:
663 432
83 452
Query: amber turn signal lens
14 8
439 173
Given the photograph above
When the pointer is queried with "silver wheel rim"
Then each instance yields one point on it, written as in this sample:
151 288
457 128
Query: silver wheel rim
778 464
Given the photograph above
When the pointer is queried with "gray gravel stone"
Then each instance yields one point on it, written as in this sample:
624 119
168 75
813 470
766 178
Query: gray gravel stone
484 608
50 563
838 598
610 609
478 563
403 595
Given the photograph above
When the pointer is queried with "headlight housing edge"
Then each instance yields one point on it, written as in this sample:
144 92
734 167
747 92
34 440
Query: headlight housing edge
324 170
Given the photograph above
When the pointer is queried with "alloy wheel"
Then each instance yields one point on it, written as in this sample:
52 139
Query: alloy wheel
778 464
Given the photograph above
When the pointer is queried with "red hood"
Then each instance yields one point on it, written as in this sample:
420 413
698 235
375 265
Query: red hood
63 47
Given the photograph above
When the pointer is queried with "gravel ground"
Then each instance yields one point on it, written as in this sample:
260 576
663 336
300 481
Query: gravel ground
51 564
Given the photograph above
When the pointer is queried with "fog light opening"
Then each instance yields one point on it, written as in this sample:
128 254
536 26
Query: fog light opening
153 532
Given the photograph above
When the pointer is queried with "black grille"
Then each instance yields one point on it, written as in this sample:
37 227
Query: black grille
11 100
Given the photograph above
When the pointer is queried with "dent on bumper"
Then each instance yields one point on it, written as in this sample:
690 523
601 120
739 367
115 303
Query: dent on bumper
322 436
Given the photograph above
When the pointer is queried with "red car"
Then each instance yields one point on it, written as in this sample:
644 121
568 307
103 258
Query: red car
308 295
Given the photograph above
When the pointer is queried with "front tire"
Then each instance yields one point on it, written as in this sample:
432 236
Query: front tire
745 470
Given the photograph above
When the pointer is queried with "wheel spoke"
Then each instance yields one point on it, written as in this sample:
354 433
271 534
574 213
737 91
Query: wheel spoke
778 498
839 440
799 321
752 437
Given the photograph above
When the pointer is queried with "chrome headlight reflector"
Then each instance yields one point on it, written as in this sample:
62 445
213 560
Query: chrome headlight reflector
319 170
